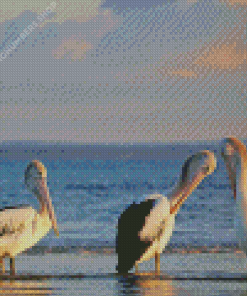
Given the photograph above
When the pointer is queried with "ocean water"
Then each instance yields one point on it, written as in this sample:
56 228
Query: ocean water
91 185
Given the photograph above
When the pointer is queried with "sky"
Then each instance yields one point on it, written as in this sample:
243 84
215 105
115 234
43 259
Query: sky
123 71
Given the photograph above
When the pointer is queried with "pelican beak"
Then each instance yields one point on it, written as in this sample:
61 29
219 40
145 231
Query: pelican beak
196 180
231 173
187 191
47 204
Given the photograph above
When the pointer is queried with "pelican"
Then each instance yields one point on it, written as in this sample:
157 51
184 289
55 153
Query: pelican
145 229
235 156
22 227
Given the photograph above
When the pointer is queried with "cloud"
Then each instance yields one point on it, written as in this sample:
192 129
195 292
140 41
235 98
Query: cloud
226 57
235 3
107 23
218 55
168 65
226 52
74 48
75 10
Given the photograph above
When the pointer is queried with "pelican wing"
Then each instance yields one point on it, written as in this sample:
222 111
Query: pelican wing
14 220
154 196
129 247
155 221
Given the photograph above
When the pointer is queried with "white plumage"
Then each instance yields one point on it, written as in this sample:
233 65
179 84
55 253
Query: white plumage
157 230
22 227
145 229
235 156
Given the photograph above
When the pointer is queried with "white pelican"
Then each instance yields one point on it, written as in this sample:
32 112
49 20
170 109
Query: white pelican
145 229
235 157
22 227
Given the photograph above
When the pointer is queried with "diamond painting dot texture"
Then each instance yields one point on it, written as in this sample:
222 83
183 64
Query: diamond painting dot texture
123 147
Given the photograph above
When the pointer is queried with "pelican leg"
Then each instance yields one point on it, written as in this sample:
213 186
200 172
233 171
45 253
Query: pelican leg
157 263
12 266
136 267
2 264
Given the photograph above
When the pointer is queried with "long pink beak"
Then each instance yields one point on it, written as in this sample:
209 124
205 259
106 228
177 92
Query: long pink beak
187 191
47 205
231 173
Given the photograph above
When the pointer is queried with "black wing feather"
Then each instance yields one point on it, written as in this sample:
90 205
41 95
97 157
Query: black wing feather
129 247
15 207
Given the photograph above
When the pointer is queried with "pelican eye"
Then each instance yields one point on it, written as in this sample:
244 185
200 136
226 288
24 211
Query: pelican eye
206 168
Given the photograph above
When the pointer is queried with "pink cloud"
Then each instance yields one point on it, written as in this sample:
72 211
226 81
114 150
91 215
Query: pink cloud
107 24
74 48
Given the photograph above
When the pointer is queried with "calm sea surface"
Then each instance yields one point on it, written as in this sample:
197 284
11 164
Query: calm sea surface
91 185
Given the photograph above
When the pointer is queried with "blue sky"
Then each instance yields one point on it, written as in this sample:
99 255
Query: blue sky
143 71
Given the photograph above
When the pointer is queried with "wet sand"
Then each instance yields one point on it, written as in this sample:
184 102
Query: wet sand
92 273
41 250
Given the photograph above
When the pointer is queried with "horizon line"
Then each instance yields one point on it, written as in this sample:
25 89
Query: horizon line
44 142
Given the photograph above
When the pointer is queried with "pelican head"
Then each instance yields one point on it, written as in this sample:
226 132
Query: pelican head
194 170
36 182
234 153
197 167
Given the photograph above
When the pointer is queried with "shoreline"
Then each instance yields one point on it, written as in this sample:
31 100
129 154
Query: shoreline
42 250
